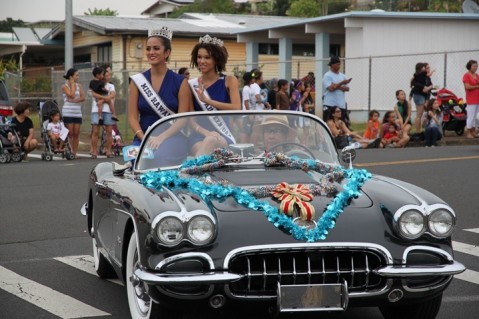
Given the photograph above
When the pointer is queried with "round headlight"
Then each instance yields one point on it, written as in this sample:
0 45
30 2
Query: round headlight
170 231
200 230
411 224
441 223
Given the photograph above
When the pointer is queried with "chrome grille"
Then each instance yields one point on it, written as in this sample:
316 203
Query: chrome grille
263 269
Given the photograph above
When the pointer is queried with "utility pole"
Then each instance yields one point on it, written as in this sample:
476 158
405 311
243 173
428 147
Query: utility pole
68 34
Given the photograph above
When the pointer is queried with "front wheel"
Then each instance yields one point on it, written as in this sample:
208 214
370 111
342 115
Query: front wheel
423 310
141 305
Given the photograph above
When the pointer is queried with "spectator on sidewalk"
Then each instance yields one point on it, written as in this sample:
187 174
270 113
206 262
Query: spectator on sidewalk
24 128
402 110
373 128
432 123
421 87
335 85
73 96
471 85
388 120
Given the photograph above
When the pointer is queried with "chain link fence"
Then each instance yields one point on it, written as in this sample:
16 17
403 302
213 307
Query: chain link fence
375 81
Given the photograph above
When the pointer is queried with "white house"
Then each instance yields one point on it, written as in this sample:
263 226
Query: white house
380 50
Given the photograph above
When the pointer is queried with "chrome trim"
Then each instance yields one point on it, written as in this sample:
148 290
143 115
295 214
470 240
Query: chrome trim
426 210
435 250
187 279
453 268
84 209
184 256
417 271
334 245
352 295
286 247
441 284
184 216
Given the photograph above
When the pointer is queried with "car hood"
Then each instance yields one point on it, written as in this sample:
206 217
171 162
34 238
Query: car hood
367 219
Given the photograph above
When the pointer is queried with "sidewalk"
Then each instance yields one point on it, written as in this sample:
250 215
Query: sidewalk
451 139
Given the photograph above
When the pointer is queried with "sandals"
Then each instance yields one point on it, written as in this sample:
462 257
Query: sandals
94 156
110 155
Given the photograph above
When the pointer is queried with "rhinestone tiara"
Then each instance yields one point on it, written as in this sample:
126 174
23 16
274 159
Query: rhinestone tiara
162 32
208 39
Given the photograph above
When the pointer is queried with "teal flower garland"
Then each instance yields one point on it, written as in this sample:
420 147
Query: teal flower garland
181 179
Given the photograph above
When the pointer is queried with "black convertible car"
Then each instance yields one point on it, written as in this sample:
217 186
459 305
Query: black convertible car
232 212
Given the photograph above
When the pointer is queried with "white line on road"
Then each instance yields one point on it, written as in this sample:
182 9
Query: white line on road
473 230
84 263
46 298
469 275
465 248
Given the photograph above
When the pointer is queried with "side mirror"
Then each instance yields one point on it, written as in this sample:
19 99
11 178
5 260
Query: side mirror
348 153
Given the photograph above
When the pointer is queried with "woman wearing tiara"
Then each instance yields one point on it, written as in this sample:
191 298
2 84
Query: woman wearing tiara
168 87
212 91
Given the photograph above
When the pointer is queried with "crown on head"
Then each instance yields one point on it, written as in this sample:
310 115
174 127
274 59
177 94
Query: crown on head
162 32
214 41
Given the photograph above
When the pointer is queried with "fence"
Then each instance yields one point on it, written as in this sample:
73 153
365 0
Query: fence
375 80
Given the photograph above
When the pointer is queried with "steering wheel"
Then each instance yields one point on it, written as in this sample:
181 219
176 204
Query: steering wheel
307 150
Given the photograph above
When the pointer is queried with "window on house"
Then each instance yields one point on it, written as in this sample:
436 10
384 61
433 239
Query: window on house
104 53
268 48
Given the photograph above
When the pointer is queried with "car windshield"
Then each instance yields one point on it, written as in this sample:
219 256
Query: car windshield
169 142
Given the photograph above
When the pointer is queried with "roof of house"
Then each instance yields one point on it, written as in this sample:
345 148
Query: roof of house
189 24
367 14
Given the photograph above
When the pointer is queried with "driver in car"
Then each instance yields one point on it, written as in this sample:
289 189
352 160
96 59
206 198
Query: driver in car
274 130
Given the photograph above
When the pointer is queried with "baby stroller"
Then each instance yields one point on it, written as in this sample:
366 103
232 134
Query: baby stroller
117 143
454 113
10 144
48 149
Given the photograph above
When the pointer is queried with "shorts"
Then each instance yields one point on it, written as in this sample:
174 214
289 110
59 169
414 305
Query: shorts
107 120
419 99
72 120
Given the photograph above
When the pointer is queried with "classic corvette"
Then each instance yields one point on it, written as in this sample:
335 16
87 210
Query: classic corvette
228 211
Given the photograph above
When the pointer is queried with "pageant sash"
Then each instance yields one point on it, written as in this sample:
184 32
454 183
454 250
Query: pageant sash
153 99
217 121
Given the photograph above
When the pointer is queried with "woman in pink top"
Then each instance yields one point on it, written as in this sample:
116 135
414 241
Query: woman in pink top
471 84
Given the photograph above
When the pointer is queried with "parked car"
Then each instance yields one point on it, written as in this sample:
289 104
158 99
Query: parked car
264 223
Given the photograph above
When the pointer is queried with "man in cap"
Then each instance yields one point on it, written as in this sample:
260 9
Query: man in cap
335 84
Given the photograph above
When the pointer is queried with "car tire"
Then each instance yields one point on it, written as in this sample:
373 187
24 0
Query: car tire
423 310
102 267
141 305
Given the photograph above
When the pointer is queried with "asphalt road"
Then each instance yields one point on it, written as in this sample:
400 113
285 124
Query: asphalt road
45 252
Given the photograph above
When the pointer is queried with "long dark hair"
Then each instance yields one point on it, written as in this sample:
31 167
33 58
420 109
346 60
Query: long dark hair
429 108
70 73
418 69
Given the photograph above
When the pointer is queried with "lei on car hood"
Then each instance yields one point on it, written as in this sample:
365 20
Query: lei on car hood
191 176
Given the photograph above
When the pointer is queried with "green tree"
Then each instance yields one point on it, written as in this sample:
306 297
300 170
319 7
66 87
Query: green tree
9 23
315 8
101 12
304 8
273 7
206 6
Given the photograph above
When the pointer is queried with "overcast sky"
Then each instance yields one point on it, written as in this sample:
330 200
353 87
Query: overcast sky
37 10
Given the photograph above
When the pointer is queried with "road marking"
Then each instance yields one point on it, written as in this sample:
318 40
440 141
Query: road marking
84 263
428 160
473 230
465 248
46 298
469 275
